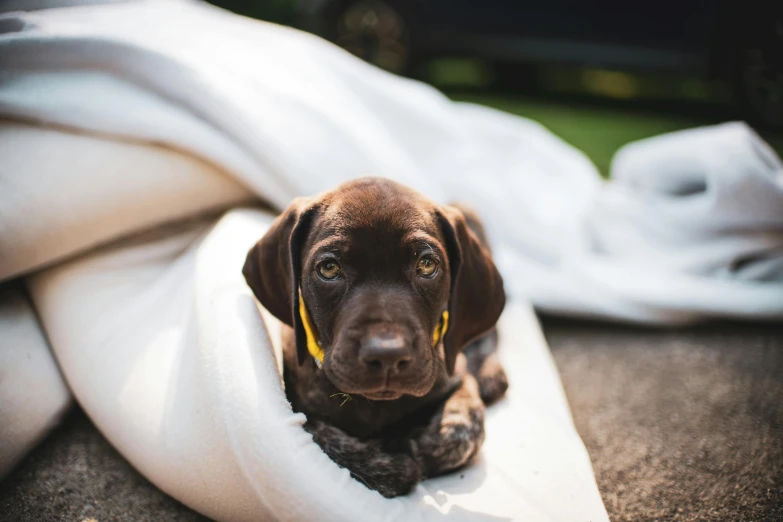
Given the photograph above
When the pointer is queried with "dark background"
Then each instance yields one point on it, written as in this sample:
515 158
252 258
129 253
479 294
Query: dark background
599 74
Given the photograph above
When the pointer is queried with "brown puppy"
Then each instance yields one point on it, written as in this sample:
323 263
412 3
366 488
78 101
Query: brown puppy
383 290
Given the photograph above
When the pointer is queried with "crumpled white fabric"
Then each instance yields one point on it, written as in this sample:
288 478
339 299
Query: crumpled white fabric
33 395
288 114
156 334
63 193
692 222
188 389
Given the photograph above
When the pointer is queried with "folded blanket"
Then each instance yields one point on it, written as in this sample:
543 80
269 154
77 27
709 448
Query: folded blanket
139 328
33 395
288 115
692 225
65 193
189 390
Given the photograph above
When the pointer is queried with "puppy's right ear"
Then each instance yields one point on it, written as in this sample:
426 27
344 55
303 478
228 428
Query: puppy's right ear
273 267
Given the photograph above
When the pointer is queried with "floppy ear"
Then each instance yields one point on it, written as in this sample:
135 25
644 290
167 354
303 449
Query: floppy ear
273 268
477 297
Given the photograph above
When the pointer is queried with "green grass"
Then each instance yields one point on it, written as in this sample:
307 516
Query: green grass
596 111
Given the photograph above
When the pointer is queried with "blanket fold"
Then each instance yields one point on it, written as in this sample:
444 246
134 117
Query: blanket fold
33 395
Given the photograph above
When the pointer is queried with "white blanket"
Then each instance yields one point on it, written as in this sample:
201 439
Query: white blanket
162 344
33 395
158 339
288 114
189 391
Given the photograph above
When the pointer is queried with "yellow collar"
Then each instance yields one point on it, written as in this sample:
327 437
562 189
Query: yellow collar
314 347
440 329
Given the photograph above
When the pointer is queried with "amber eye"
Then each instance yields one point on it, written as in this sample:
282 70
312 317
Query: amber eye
427 266
329 270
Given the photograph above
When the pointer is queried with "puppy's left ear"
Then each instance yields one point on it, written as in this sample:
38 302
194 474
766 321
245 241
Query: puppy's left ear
273 267
477 297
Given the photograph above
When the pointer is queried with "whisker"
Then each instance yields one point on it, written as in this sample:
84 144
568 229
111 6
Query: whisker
346 397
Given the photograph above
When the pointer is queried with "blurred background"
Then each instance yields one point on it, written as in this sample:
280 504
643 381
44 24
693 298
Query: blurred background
599 74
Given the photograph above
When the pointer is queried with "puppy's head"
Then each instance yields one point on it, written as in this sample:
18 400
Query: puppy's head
375 273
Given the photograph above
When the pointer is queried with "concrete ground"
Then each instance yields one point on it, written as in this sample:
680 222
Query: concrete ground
682 425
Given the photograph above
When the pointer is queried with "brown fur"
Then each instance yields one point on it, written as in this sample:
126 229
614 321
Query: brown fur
386 404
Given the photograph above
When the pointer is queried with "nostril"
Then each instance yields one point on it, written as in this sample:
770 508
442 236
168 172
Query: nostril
375 364
402 364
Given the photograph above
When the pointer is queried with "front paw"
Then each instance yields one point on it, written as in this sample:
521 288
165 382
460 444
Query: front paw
390 474
492 380
450 443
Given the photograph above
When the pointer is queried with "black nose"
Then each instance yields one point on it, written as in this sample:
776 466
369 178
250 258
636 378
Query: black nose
383 353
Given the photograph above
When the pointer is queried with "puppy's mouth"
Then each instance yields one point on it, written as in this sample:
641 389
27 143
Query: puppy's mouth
350 374
383 395
383 389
